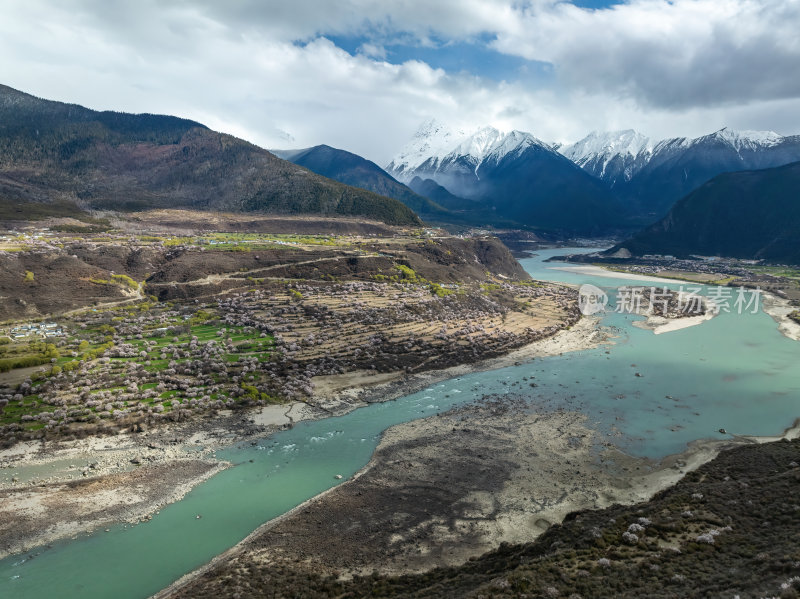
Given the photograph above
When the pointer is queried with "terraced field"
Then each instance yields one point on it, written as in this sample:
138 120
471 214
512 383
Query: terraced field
157 326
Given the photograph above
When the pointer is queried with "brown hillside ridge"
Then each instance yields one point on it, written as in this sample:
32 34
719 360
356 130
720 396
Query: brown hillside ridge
53 154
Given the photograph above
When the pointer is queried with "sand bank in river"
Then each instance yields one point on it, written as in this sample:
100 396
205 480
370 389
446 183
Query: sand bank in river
597 271
659 324
60 490
37 515
779 309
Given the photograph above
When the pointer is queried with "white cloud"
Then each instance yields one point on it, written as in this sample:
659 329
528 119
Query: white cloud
373 50
680 68
678 54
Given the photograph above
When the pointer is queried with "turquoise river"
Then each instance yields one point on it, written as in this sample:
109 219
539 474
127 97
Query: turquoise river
735 372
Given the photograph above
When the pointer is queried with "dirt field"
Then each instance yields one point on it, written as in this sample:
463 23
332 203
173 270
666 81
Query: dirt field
192 221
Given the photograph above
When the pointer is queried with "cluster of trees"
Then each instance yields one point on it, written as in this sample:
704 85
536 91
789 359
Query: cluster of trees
35 353
123 371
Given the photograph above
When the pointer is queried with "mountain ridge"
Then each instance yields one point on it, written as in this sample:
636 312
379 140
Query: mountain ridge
651 176
646 176
53 152
751 214
356 171
611 155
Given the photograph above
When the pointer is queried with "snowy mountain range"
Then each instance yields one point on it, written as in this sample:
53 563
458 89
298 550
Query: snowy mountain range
455 158
442 154
514 175
602 153
611 156
647 175
678 166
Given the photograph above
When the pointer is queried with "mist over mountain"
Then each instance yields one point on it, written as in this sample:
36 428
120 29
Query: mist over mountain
431 189
53 153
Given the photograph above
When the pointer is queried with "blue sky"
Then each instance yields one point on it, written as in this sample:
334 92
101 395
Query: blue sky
594 3
474 57
363 74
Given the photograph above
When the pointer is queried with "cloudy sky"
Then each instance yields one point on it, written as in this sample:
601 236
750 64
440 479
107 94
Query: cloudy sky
363 74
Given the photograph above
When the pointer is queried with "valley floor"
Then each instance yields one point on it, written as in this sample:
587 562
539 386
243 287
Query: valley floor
127 477
213 338
224 326
705 536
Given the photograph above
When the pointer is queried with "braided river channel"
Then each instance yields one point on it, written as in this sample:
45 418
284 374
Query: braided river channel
734 372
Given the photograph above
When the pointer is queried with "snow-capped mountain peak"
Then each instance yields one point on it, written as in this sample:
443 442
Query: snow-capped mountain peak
435 144
433 139
464 163
490 143
611 153
477 145
608 144
746 140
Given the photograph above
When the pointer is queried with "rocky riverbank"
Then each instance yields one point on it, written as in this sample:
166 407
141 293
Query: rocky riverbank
440 492
726 529
39 514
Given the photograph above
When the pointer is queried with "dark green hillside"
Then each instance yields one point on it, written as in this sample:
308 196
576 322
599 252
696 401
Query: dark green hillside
748 214
545 189
352 169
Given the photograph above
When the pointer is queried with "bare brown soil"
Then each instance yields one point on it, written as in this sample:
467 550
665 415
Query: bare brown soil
62 281
443 490
727 529
68 271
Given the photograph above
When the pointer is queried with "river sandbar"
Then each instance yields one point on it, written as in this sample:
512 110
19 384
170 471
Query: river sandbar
779 309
